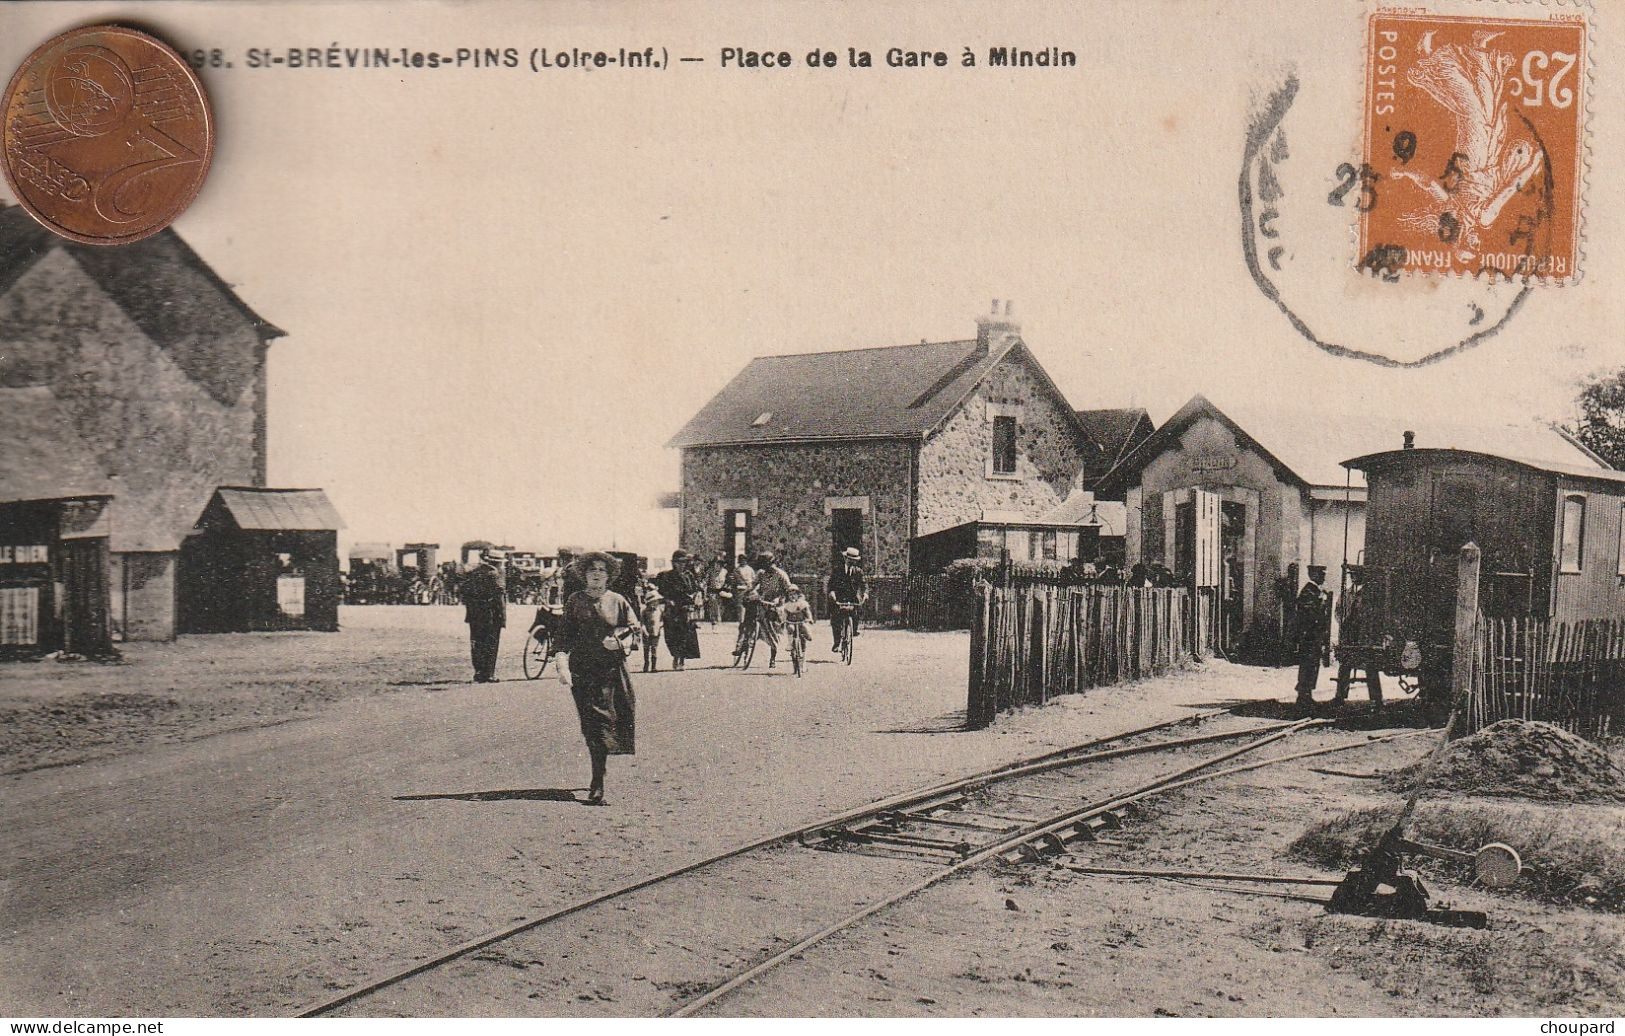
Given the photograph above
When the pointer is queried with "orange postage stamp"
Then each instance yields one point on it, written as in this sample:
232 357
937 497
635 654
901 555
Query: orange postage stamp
1474 129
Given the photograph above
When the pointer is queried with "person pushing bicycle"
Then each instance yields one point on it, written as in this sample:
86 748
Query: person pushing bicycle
771 591
848 590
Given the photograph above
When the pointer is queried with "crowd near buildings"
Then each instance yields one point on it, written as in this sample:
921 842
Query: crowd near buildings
925 455
140 509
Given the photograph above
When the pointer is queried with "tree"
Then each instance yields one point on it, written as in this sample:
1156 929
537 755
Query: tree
1601 422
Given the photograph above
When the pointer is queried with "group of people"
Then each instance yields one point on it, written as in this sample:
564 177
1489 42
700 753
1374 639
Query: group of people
760 594
1311 640
600 627
1098 572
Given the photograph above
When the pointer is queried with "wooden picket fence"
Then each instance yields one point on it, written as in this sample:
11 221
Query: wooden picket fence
1030 643
1568 674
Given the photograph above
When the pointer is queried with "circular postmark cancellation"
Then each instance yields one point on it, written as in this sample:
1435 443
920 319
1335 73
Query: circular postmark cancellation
107 135
1463 195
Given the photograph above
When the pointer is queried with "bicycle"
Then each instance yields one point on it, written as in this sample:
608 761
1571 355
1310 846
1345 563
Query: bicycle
798 652
753 632
848 618
540 644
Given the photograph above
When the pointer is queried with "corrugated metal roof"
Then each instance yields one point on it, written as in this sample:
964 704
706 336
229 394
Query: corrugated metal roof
899 391
1591 471
306 510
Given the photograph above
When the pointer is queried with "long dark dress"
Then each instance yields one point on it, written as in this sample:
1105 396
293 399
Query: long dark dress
678 586
599 680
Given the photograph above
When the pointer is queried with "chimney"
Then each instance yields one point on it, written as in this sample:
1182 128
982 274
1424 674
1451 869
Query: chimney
995 327
1410 440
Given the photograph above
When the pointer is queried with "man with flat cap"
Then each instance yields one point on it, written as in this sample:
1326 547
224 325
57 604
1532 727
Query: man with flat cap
485 609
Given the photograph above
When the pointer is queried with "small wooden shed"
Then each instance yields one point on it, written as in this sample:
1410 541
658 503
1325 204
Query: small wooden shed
1552 538
262 559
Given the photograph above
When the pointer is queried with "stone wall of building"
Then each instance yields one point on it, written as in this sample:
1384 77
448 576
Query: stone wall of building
956 478
171 425
793 487
1207 456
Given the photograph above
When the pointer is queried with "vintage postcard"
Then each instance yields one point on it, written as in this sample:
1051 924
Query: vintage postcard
944 510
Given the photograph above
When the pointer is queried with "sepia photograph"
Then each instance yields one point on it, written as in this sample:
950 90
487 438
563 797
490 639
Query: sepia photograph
588 510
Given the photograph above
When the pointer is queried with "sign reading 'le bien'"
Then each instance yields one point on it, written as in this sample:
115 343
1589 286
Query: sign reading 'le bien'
24 555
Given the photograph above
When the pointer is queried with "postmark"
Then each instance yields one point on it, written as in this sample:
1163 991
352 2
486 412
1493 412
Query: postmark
107 135
1473 138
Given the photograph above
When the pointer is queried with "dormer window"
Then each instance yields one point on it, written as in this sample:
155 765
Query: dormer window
762 420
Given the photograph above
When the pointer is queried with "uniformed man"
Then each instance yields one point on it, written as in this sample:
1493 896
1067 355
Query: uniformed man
485 609
1309 642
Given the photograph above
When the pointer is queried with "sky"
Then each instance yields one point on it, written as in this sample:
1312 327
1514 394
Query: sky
506 289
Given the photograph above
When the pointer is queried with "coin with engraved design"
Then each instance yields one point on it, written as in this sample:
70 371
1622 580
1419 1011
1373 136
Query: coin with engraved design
107 135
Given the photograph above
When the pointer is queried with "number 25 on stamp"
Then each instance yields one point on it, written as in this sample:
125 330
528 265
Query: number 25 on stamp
1473 145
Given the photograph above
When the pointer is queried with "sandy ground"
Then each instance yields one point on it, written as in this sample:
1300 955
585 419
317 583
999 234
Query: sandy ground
241 824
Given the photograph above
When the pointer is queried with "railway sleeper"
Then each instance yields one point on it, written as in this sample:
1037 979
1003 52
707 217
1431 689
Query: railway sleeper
905 816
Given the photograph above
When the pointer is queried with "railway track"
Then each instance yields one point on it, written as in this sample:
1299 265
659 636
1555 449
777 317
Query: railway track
1023 811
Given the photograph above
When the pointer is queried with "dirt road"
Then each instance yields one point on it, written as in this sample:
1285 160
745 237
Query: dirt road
258 820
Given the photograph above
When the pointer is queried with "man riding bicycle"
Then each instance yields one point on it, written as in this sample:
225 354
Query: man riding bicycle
848 590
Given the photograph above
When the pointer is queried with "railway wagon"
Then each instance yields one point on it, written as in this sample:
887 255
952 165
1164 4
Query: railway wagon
1552 538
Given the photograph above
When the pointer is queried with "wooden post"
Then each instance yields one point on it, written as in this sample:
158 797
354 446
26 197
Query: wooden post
1461 664
977 714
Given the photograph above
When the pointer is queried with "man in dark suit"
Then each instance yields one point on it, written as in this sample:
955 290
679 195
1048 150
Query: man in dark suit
1310 639
846 586
485 609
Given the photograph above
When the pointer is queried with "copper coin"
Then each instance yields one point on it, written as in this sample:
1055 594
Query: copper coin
107 135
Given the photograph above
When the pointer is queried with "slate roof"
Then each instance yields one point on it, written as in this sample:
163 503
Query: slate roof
892 392
284 510
156 282
1310 447
1117 431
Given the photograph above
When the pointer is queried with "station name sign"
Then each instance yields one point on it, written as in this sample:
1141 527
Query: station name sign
24 554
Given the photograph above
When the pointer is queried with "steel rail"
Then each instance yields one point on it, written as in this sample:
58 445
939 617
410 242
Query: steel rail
1052 760
1168 782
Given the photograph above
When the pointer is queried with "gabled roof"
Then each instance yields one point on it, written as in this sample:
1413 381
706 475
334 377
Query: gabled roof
1309 448
1117 431
892 392
279 510
158 282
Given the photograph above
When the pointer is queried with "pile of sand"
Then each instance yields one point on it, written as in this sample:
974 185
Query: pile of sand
1522 759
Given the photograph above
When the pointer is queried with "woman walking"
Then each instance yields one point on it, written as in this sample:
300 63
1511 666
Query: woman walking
596 635
683 592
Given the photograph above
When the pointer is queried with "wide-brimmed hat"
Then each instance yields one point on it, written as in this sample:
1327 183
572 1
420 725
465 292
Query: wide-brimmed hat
852 553
679 555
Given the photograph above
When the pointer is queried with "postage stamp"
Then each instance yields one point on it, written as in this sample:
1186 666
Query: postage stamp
1474 137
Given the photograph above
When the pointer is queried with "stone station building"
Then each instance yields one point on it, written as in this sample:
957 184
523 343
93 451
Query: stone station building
806 455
